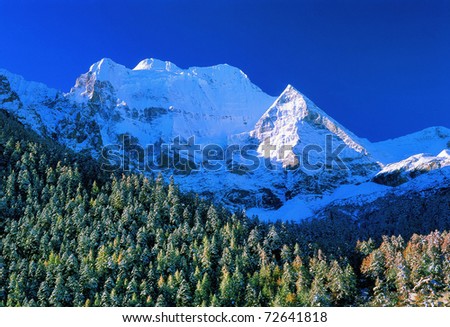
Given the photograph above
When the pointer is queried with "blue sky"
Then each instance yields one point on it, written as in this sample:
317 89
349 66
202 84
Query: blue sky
381 68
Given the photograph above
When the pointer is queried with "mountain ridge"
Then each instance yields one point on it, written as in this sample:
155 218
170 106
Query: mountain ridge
157 101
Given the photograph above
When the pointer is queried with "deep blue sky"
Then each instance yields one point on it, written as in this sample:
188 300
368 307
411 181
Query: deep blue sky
381 68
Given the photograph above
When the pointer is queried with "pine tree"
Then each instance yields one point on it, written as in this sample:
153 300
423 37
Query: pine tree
183 297
59 296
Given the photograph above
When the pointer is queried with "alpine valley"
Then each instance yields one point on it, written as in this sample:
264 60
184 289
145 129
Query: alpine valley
157 102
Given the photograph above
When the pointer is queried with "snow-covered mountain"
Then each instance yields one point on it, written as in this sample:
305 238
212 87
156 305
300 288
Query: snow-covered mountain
400 172
31 102
295 122
430 140
157 100
273 153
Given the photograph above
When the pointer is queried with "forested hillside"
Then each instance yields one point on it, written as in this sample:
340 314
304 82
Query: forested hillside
73 236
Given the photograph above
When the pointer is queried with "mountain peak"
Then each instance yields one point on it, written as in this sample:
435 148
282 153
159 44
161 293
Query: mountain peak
156 64
444 154
220 71
106 68
289 89
102 64
291 102
291 94
295 121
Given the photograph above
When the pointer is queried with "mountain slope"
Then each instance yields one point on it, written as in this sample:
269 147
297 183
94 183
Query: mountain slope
32 102
430 140
398 173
